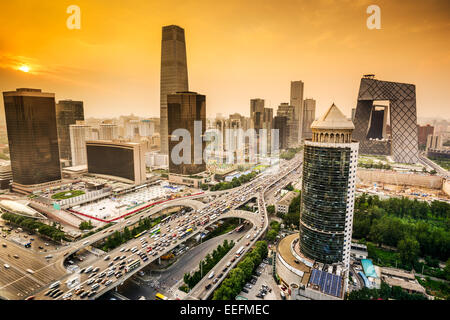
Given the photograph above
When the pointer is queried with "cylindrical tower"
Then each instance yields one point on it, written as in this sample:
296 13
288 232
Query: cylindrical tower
329 173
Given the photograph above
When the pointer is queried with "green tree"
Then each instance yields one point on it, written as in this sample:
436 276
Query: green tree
408 249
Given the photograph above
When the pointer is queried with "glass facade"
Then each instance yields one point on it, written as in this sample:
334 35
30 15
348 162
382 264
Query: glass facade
110 160
67 113
324 202
184 109
32 136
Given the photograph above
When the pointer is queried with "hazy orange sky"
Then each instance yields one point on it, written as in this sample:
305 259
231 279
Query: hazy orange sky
236 50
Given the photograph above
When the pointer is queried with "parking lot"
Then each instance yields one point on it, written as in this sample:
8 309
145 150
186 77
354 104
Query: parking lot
266 279
20 237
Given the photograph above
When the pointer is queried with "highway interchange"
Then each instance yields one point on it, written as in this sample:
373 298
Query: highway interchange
111 271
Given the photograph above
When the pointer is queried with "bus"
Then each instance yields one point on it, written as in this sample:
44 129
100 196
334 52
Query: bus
133 265
156 230
140 234
239 252
159 296
165 219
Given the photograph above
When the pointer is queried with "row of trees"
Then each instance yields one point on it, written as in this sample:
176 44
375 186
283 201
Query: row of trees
53 232
415 228
404 207
236 182
208 263
237 277
120 237
372 165
385 292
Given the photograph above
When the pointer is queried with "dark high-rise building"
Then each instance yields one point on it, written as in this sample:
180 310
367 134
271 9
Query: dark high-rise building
257 113
403 141
297 103
261 118
309 113
280 124
184 109
67 113
174 74
32 136
286 110
328 191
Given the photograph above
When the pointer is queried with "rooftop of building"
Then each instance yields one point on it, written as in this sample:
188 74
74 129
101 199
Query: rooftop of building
30 92
287 199
284 249
333 118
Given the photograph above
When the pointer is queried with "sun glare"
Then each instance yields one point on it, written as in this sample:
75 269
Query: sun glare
24 68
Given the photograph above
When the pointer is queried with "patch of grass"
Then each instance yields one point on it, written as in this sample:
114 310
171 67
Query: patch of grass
67 194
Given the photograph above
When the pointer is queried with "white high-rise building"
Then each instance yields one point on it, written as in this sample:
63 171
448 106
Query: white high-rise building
79 134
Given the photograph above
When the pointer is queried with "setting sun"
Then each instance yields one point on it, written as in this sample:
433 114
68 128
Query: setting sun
24 68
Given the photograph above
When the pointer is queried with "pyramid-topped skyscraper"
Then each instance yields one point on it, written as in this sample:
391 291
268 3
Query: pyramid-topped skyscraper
328 191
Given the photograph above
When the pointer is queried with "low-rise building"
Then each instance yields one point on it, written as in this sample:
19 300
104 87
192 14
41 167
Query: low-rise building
401 278
358 251
282 206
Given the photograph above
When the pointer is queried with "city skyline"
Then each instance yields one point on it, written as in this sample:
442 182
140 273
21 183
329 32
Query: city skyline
339 50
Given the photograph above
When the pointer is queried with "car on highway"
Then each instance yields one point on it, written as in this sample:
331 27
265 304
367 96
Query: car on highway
208 286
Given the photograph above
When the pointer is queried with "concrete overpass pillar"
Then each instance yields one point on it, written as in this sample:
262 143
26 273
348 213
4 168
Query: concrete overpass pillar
159 260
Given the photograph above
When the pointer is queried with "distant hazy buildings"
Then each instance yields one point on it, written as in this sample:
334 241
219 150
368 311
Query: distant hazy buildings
108 131
118 159
67 113
328 191
184 109
32 137
403 141
434 142
174 74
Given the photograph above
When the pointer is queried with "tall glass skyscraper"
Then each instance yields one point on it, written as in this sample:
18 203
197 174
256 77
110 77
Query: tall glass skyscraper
67 113
184 109
328 192
32 136
174 74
